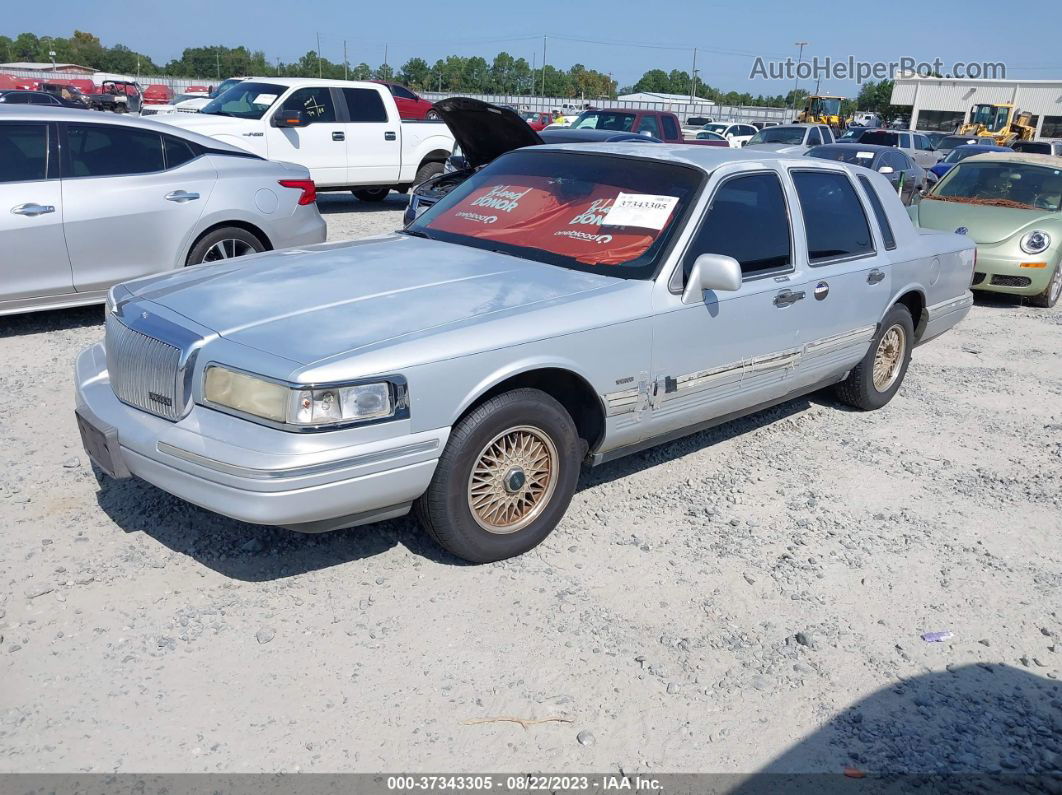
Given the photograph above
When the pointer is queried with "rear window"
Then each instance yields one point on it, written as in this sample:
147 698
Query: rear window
23 152
834 221
364 105
1033 147
599 213
879 138
600 120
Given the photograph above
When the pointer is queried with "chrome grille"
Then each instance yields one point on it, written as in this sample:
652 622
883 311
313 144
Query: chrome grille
143 370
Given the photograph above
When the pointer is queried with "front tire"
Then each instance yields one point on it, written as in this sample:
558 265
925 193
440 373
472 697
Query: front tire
1049 297
505 479
877 378
222 244
426 172
432 115
371 194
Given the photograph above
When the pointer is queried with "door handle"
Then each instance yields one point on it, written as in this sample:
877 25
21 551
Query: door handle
32 209
390 136
181 196
787 297
338 136
875 276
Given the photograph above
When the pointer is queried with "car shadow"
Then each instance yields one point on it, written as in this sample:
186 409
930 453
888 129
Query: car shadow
987 727
345 202
51 320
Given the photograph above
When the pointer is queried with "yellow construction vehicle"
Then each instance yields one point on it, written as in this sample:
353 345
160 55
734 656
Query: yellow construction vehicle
999 121
821 109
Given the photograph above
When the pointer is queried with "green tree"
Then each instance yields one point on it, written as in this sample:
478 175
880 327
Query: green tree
415 73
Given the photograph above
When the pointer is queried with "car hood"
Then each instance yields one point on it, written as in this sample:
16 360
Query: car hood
986 224
311 304
484 131
206 123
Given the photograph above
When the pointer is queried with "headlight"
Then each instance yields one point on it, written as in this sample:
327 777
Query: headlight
1035 241
303 407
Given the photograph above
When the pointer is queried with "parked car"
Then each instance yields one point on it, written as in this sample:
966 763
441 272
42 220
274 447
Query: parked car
347 133
410 104
72 95
1009 204
698 122
562 305
131 197
197 91
1039 146
537 119
483 132
13 97
736 134
906 176
158 94
656 123
949 142
791 139
961 153
763 125
712 137
934 136
914 144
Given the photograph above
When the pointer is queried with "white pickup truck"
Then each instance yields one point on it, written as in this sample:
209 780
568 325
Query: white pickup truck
347 133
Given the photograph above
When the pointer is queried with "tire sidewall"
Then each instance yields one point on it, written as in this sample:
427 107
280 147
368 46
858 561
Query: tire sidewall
199 250
897 316
465 536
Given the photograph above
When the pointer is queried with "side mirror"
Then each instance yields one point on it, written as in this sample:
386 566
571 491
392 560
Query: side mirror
711 272
290 118
886 170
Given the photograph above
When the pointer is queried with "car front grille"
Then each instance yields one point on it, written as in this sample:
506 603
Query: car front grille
977 278
1011 281
143 370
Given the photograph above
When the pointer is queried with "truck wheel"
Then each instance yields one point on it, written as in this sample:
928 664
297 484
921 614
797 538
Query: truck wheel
426 172
371 194
432 115
874 381
505 478
1049 297
224 243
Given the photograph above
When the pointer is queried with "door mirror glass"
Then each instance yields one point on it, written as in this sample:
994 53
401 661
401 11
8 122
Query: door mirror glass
711 272
290 118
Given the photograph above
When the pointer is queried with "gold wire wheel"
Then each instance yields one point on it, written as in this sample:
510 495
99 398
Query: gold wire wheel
888 358
513 479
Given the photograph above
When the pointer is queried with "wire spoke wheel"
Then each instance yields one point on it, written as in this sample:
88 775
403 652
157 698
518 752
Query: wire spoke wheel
513 479
888 358
227 249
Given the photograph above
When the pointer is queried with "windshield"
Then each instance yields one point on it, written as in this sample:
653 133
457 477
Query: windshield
245 100
589 212
224 86
718 129
1018 185
951 141
993 117
778 135
602 120
826 106
843 154
961 153
851 135
1033 147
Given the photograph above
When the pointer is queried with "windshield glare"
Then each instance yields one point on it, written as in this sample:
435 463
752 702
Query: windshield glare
778 135
1016 185
845 154
245 100
597 120
589 212
961 153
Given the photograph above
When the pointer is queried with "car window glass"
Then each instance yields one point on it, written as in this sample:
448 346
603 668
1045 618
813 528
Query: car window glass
879 213
110 150
23 152
42 99
827 135
178 152
18 99
747 220
905 141
814 139
895 161
649 124
403 93
315 103
922 142
364 105
833 216
671 131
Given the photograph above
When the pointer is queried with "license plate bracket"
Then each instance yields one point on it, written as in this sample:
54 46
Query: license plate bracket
99 446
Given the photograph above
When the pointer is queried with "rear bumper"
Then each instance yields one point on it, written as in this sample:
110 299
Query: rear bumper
998 274
257 474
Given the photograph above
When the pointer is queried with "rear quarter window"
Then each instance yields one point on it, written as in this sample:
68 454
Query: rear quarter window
879 213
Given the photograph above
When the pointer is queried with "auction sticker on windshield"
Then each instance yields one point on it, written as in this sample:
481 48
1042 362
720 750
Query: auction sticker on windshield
640 210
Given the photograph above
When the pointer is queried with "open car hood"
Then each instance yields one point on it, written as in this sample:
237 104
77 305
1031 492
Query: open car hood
484 131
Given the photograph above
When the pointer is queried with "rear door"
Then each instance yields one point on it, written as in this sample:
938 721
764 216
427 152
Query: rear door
34 260
319 145
923 153
373 139
132 196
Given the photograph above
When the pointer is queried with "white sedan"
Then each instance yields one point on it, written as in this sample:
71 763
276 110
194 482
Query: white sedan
736 134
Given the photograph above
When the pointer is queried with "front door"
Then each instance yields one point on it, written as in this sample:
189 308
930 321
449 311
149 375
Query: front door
34 260
320 145
731 350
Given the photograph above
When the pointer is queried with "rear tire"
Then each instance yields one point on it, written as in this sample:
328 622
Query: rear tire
222 244
426 172
1049 297
371 194
432 115
875 380
505 478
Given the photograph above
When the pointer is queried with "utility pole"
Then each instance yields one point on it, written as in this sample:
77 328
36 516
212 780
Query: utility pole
534 77
319 67
800 59
346 75
217 57
693 82
543 64
278 66
611 86
385 56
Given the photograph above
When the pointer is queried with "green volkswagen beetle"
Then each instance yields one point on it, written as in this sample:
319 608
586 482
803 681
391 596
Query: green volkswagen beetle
1009 205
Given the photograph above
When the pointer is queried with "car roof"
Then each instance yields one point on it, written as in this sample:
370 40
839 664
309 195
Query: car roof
847 146
291 82
706 158
801 124
1029 158
569 135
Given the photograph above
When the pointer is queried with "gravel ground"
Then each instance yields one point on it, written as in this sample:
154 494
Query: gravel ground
750 598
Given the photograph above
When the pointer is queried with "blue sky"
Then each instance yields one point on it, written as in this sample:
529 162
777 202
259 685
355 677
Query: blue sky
728 35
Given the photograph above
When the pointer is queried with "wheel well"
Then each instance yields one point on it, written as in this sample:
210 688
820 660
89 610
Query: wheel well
916 304
254 230
435 156
570 390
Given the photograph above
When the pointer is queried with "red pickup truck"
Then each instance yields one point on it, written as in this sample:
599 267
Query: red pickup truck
657 123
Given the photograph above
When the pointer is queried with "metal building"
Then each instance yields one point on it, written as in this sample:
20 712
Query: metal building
944 103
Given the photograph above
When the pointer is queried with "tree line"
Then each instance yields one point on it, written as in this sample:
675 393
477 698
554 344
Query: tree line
504 74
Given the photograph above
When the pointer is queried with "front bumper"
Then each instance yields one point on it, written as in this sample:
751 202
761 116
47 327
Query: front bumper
307 482
999 273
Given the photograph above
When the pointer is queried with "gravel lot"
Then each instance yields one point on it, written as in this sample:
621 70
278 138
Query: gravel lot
751 598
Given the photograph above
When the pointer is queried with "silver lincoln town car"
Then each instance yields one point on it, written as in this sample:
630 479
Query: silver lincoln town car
565 304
